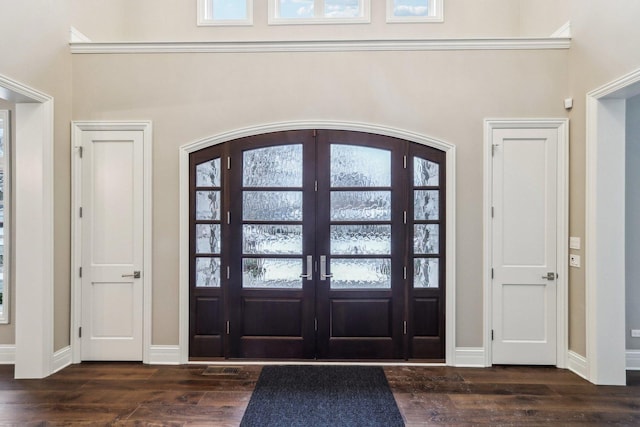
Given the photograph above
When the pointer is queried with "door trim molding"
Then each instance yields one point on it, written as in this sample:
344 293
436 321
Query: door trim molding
77 128
449 149
33 228
562 241
604 223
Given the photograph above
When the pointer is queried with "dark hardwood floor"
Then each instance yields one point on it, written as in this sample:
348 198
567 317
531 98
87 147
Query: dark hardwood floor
131 394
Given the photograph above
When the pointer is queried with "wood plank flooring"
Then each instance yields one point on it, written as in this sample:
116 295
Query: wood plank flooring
132 394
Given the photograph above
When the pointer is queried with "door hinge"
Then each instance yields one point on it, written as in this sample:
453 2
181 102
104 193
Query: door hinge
492 335
315 324
80 271
228 327
228 163
404 327
315 133
228 272
405 272
404 214
492 211
405 162
493 149
228 217
80 332
81 212
80 150
316 186
492 273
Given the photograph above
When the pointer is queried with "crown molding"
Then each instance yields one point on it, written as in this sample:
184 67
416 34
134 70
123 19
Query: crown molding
543 43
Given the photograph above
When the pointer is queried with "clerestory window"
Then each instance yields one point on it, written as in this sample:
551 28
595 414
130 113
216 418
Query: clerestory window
225 12
319 11
415 11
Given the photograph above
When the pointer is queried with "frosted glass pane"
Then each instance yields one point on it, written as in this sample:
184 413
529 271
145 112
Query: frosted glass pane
426 239
271 273
366 239
425 273
426 204
295 8
425 173
361 273
410 7
229 9
208 174
207 272
355 166
272 205
279 166
341 8
208 205
272 239
208 238
361 205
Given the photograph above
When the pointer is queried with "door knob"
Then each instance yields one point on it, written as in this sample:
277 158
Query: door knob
323 268
135 275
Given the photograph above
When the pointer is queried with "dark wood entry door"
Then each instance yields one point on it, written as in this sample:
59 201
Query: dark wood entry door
322 248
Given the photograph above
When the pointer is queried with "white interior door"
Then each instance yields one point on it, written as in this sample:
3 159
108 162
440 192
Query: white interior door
112 245
524 287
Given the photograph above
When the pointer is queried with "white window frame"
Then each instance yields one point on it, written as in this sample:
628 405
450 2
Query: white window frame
319 18
436 7
205 15
5 124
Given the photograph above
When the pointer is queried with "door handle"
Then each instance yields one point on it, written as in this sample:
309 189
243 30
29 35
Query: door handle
309 274
323 268
550 276
135 275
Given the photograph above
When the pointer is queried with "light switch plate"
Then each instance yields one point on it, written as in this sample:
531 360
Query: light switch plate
574 261
574 243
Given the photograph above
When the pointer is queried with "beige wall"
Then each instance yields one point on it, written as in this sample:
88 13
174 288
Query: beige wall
7 332
167 20
34 51
442 94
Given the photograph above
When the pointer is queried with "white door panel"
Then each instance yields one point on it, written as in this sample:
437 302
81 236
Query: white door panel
524 246
112 230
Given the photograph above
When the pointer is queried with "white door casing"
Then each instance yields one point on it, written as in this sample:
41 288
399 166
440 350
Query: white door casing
526 239
111 315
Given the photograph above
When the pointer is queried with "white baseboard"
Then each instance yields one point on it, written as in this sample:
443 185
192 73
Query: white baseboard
577 364
633 360
7 354
61 359
470 357
164 355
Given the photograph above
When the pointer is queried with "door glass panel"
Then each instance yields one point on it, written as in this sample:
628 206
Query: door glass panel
207 205
360 205
425 173
207 272
362 239
272 239
208 238
272 273
356 166
426 204
279 166
208 173
272 205
426 239
361 273
425 272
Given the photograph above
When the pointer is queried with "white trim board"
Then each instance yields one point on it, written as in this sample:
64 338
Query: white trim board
33 228
562 242
7 354
542 43
62 359
449 149
605 222
577 364
633 360
470 357
77 127
164 355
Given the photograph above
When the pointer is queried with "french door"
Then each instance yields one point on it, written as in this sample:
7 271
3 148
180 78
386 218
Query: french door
317 244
